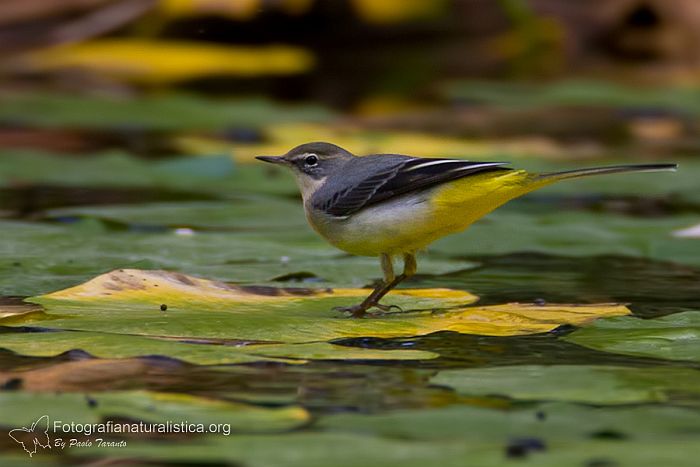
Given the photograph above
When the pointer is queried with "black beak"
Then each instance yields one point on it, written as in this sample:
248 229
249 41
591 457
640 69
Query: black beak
272 159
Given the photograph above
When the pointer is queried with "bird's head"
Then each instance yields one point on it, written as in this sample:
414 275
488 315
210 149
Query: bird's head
311 163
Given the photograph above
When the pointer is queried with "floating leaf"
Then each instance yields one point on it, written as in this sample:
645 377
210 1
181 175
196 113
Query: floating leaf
129 301
561 424
198 351
22 408
578 93
157 61
673 337
575 383
158 112
570 435
236 214
178 290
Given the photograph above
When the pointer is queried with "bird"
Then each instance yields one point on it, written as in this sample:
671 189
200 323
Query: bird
393 205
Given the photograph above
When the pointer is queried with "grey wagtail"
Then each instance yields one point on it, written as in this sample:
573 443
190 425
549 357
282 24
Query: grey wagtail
389 205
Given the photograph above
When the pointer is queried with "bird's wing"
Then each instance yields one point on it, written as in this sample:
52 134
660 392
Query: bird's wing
409 174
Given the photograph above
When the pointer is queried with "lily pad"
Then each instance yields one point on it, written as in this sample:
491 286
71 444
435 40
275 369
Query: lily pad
161 62
198 351
560 423
578 92
575 383
236 214
158 112
451 436
672 337
22 408
129 300
214 175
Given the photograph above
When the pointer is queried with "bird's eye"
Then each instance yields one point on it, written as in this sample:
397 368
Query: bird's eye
311 160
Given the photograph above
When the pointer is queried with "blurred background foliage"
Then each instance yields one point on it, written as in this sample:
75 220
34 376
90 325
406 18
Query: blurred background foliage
592 78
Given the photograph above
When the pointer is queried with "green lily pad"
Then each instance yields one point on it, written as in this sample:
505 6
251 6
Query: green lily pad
672 337
451 436
575 383
214 174
160 112
202 352
583 93
130 301
22 408
237 214
555 422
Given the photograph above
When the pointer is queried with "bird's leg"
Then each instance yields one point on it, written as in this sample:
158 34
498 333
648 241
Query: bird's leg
409 269
387 268
390 281
359 310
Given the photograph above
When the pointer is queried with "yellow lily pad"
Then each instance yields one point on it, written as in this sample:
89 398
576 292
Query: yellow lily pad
158 62
176 289
128 302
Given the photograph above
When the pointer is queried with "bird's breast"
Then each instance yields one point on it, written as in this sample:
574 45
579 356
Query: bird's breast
404 224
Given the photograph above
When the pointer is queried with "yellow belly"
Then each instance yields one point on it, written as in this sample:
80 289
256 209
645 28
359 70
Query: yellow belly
457 205
410 223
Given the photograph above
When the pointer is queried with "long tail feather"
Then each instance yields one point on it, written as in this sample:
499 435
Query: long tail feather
606 170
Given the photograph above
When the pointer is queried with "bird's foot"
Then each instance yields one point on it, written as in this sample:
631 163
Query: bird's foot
356 311
360 310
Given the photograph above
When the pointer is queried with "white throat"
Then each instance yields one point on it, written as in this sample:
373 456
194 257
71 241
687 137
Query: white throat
308 186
